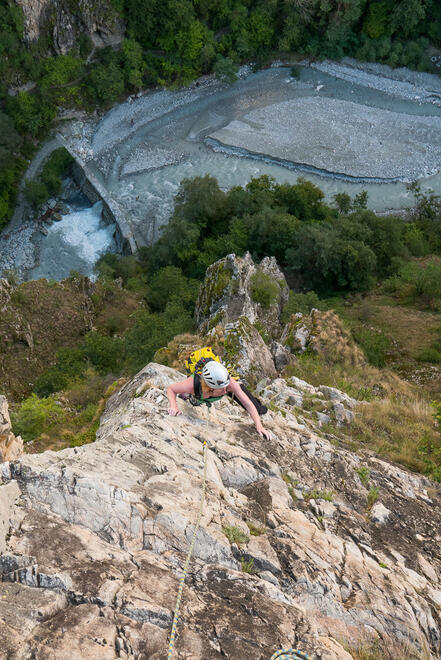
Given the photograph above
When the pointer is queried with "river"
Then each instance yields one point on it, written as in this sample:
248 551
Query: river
345 132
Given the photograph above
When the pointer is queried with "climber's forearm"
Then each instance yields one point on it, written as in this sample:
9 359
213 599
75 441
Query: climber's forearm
171 396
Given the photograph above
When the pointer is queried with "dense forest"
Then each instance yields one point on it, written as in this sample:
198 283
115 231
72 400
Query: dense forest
174 41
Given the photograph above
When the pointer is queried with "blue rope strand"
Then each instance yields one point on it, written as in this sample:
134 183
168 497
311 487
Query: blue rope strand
289 654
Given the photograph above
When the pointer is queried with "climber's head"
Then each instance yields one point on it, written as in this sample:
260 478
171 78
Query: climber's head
215 376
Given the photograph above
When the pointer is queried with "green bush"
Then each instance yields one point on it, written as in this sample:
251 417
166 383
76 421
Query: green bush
234 534
36 193
374 344
225 69
34 416
170 282
301 302
430 354
151 331
58 165
70 364
425 280
105 353
295 72
264 290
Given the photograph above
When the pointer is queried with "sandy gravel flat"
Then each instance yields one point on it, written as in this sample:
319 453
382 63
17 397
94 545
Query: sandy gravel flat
400 83
340 136
146 158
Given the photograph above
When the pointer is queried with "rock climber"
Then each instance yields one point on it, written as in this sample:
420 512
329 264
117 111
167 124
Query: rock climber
212 384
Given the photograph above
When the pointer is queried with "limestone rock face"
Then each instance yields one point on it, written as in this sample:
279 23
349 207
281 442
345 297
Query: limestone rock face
246 351
97 537
67 20
11 447
235 287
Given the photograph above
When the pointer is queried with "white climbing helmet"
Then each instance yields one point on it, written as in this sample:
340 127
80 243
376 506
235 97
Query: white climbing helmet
215 375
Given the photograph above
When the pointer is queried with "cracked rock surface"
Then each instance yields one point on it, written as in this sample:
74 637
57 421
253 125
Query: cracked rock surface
95 539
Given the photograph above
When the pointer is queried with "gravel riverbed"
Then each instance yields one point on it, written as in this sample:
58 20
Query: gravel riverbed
341 137
376 126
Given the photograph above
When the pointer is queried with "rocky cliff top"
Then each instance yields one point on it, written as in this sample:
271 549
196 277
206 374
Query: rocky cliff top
301 543
66 20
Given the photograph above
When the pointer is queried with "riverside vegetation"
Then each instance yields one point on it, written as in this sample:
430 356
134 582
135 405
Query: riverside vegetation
173 42
380 274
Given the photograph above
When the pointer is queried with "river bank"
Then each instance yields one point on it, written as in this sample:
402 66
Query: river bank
346 127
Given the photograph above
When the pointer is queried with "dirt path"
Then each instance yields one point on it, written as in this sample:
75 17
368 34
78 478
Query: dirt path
35 166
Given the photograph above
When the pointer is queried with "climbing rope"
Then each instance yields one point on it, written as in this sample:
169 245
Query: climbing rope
289 654
283 654
171 645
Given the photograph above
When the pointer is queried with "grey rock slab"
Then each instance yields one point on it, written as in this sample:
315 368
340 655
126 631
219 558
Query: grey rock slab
260 550
342 414
107 527
323 418
269 577
333 394
281 355
238 473
379 513
9 493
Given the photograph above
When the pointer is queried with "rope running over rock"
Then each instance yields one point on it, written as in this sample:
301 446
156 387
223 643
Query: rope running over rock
289 654
283 654
171 645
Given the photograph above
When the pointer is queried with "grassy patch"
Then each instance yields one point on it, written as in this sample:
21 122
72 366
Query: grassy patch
412 332
372 496
291 483
69 420
247 566
315 494
43 317
402 429
378 649
255 530
234 534
364 474
375 344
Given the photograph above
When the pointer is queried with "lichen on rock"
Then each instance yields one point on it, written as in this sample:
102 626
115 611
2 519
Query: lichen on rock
66 20
235 287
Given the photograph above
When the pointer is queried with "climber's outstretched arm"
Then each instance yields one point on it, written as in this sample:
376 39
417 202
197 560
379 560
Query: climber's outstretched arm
235 388
183 387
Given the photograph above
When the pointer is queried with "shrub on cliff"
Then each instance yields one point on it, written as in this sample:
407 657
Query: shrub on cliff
34 415
263 289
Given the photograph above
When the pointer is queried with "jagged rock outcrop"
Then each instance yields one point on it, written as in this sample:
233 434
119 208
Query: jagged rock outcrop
322 333
66 20
235 286
11 447
95 537
246 352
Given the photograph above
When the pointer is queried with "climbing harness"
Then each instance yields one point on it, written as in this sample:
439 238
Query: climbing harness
289 654
283 654
171 645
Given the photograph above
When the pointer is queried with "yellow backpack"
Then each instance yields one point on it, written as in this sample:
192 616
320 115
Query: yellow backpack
196 361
